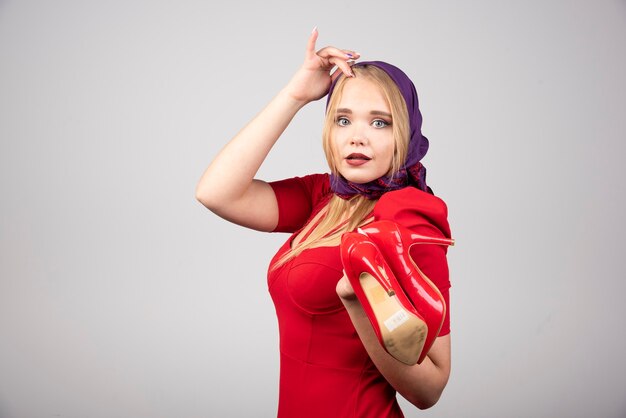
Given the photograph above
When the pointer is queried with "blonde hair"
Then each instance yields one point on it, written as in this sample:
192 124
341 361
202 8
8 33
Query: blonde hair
333 222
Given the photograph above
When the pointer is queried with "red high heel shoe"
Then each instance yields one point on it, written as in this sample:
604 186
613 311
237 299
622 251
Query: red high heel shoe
394 242
399 327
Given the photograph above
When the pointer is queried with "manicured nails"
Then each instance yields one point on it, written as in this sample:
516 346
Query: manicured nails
314 29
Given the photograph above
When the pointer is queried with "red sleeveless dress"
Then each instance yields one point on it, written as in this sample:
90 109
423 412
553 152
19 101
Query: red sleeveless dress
324 368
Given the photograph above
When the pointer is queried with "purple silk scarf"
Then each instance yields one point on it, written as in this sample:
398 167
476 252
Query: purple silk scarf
412 173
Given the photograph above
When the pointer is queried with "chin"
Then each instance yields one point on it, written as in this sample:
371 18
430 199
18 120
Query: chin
358 178
359 175
361 180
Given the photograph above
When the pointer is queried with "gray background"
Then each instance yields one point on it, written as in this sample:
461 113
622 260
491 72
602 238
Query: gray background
121 296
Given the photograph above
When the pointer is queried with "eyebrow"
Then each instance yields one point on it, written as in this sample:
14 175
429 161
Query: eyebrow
373 112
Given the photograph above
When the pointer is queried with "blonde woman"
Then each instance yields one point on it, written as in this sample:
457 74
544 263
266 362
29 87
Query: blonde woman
334 363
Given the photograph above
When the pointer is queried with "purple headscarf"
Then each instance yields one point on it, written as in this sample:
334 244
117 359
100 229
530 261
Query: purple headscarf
412 173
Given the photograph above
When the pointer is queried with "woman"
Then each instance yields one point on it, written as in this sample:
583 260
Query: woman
332 363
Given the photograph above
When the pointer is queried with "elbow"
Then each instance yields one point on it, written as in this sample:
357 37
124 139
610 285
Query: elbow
200 196
206 198
424 402
426 396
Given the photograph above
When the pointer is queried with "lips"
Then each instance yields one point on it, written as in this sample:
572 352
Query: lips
356 159
356 156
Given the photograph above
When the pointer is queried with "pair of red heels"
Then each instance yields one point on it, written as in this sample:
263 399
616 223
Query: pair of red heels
404 307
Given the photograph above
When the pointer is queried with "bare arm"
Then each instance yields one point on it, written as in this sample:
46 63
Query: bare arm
421 384
228 187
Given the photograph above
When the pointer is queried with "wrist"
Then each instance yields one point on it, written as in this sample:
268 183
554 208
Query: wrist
292 99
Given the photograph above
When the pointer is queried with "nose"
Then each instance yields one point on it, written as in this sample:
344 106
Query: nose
357 140
358 137
357 133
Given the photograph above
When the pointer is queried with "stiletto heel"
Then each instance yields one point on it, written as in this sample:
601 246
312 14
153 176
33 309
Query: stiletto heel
394 242
398 326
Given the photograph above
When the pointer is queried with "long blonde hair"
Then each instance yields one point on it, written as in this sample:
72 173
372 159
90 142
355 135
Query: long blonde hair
343 215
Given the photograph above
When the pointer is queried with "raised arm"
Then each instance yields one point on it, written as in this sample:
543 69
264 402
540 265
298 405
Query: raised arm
228 187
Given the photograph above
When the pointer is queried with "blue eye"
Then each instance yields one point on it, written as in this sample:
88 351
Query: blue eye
379 123
343 121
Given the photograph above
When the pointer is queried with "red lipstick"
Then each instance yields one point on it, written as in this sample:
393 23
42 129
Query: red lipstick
356 159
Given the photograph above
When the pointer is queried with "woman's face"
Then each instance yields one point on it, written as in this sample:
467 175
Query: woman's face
362 137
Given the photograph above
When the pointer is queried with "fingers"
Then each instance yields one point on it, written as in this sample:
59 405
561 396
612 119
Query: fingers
335 75
331 51
342 58
343 65
310 47
339 71
331 56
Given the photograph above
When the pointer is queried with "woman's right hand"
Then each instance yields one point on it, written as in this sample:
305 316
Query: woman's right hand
312 81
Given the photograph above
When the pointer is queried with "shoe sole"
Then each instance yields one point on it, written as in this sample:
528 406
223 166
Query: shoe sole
403 333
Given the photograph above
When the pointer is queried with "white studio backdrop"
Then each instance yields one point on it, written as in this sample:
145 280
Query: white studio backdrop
121 296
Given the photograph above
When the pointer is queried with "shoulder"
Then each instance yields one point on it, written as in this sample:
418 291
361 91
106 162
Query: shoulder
302 193
313 186
317 187
319 184
414 209
299 198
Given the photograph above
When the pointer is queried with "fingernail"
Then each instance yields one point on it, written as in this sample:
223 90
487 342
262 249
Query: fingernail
349 55
314 29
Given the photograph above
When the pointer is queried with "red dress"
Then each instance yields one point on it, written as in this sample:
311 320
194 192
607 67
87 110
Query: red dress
324 368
